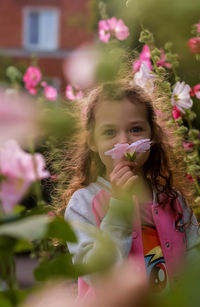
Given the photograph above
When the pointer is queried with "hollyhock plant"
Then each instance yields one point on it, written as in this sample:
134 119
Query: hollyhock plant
18 170
145 56
188 146
18 117
71 95
104 31
162 62
181 96
195 91
50 92
129 151
176 113
145 78
194 44
198 27
32 78
112 27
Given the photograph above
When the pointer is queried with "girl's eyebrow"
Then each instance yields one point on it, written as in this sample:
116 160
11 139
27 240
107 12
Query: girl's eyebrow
137 122
103 126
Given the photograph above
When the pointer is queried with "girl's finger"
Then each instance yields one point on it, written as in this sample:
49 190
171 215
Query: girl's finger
130 182
114 177
123 179
122 164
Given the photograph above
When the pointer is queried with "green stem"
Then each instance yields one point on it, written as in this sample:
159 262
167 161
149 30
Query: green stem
38 191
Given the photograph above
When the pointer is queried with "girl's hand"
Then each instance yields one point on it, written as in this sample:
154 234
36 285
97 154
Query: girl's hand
123 180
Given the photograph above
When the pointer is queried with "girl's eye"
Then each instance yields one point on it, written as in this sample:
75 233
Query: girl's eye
109 132
136 129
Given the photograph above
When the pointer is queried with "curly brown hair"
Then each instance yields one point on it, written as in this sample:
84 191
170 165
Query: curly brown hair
165 168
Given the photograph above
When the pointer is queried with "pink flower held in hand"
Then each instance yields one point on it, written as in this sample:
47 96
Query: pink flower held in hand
70 93
113 27
194 44
31 79
20 169
121 150
145 56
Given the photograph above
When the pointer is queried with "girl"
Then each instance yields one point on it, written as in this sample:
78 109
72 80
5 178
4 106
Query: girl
103 191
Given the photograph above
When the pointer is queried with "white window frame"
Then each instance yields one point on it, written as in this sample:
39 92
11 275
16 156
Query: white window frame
39 47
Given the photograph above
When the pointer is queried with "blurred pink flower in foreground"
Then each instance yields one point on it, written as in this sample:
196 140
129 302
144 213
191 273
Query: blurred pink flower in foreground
145 78
31 78
50 92
18 117
181 96
80 67
176 113
70 93
145 56
194 44
120 150
125 285
112 27
162 61
19 169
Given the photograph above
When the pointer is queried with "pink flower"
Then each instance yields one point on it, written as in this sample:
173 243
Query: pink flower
70 93
198 27
145 78
196 90
176 113
20 169
31 79
121 150
162 61
104 31
181 96
18 117
118 28
80 66
112 27
188 146
194 44
145 56
190 178
50 93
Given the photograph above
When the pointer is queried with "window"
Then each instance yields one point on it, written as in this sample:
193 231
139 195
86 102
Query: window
41 29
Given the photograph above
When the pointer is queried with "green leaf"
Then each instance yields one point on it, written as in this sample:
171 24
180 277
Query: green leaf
29 228
23 246
4 301
59 267
60 229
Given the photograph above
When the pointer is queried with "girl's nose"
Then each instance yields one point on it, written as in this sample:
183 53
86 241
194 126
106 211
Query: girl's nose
123 138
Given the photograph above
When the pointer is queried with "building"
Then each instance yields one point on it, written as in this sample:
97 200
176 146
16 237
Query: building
51 29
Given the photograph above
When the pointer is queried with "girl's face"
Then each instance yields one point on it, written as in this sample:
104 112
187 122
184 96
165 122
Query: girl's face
119 122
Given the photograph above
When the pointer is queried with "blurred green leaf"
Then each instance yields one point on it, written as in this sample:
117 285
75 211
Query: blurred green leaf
23 246
60 266
60 229
30 228
4 301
